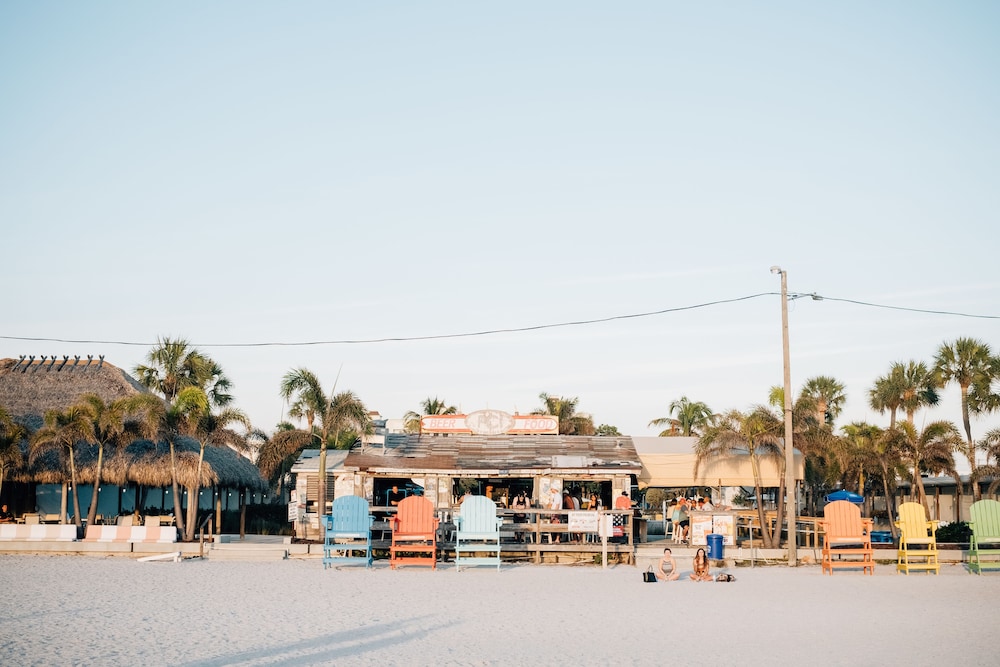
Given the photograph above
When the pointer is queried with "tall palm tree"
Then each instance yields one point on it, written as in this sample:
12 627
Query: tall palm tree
570 422
63 431
335 413
116 424
828 395
11 435
429 406
930 450
174 365
966 362
692 417
759 433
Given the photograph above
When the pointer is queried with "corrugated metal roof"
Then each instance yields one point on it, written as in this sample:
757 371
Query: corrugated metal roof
408 452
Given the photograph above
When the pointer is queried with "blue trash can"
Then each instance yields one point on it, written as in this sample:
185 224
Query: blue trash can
715 546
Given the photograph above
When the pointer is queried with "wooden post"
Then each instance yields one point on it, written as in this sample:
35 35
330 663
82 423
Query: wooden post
243 514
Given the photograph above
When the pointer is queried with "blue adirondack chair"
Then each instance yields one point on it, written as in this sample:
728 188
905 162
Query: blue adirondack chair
477 531
348 532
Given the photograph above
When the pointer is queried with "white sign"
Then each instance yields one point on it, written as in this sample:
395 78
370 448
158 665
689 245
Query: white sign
582 522
293 511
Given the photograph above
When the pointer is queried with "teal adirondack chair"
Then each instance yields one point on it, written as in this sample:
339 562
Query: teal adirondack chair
348 532
985 524
477 531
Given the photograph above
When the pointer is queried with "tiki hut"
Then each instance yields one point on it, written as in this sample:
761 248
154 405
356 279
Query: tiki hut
29 387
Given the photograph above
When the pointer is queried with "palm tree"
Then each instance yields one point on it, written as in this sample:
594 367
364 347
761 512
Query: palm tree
336 413
430 406
908 387
277 454
210 429
174 421
116 424
11 435
570 422
828 396
930 450
966 362
63 430
919 388
886 395
692 418
990 444
174 365
759 433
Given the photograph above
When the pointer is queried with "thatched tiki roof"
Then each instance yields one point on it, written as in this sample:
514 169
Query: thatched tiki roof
29 388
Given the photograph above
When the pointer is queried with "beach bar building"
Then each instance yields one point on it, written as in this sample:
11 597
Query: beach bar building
488 452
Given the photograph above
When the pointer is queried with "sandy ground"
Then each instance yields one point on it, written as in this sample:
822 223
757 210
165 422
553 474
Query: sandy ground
78 610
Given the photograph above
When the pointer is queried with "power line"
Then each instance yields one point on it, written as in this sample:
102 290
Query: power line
538 327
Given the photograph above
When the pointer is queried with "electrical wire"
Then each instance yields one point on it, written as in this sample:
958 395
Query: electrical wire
537 327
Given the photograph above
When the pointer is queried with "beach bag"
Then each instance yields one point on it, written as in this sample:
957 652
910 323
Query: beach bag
648 575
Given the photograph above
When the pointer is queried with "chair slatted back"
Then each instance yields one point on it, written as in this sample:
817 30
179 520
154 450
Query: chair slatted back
350 515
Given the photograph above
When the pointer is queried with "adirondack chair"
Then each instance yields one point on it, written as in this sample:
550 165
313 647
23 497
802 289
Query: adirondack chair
846 534
985 523
348 532
477 530
414 533
917 541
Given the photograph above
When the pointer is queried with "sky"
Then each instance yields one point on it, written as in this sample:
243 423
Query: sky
243 173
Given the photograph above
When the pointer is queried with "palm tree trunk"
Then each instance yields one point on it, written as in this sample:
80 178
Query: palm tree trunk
76 489
63 501
321 483
95 495
178 514
890 501
194 501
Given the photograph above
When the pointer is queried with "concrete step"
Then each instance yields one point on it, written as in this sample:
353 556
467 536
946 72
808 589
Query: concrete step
247 552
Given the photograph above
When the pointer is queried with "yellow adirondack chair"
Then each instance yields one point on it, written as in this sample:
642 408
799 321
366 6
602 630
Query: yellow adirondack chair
845 533
917 542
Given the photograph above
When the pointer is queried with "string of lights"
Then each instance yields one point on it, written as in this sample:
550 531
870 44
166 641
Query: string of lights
537 327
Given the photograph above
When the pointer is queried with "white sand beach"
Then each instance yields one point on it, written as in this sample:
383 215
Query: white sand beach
62 610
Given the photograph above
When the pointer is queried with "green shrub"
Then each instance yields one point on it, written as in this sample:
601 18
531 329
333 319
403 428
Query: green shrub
954 533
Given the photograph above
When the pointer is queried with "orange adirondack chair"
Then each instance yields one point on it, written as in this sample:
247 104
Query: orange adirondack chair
846 534
917 540
414 534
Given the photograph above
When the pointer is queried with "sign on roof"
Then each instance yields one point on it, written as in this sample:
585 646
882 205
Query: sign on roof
490 422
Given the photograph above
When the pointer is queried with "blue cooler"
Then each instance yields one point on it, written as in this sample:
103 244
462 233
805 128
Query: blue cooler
715 546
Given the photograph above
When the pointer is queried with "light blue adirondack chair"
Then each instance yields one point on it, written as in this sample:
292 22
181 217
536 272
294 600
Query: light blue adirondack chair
348 531
477 531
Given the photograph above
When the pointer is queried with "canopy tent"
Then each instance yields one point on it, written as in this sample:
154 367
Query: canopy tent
670 462
845 495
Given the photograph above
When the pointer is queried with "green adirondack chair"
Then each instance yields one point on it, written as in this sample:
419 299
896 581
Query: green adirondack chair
985 524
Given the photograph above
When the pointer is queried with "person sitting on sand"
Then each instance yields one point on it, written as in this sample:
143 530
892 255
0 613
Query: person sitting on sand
668 566
701 567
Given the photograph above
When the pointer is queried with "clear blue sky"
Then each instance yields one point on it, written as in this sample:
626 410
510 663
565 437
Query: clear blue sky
241 172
